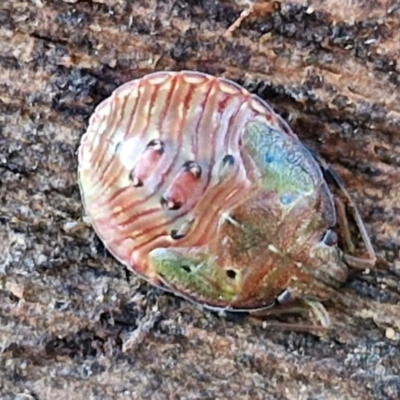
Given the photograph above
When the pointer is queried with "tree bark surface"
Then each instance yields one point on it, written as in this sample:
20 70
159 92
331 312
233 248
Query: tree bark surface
73 323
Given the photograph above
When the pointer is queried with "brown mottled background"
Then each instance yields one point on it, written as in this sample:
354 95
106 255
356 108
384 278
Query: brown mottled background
73 325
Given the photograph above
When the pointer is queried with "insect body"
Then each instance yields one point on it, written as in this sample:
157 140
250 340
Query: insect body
199 187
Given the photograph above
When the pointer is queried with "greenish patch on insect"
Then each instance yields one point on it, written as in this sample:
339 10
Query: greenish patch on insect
193 273
281 161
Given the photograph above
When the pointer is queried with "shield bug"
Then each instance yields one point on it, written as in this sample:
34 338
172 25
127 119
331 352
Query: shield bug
202 189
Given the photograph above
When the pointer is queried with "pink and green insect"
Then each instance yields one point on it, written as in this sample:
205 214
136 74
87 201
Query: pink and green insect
201 188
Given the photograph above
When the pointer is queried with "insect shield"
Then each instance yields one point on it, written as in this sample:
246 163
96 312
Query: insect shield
199 187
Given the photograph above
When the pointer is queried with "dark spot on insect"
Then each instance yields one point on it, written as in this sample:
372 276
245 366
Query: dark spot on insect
228 160
135 181
269 158
176 235
117 147
330 238
182 230
230 273
284 297
193 167
157 145
186 268
225 167
286 199
170 204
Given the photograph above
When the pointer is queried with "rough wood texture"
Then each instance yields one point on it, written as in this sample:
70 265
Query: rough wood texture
72 325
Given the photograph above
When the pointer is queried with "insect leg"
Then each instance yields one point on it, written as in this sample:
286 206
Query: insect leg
356 262
296 306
